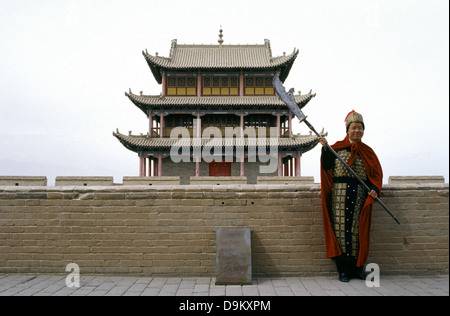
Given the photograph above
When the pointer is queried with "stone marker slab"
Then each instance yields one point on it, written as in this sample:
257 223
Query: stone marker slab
233 256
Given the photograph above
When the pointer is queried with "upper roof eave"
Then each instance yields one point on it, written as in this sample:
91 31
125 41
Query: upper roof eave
146 102
144 142
217 57
201 63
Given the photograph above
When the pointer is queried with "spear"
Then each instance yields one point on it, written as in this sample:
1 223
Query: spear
288 98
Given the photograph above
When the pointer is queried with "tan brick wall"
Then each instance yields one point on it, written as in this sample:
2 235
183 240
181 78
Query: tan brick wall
169 230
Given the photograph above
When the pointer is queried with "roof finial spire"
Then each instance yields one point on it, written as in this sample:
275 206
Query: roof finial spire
220 36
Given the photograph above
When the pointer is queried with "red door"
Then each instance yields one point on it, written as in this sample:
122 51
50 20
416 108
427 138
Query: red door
220 169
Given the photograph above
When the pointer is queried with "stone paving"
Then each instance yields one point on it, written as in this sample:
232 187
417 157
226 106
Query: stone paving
92 285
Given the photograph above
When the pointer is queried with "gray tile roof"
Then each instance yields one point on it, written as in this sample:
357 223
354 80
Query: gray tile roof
219 56
143 142
226 57
146 102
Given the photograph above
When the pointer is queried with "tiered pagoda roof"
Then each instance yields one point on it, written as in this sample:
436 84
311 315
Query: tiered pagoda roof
214 57
145 143
245 59
151 102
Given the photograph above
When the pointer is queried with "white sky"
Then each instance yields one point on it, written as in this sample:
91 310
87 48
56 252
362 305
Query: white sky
65 65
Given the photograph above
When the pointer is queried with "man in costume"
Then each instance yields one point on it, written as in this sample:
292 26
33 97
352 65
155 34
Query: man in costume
346 205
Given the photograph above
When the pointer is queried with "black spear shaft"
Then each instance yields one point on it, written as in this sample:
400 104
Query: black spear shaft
328 147
288 98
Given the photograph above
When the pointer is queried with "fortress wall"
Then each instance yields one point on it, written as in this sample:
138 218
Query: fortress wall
169 230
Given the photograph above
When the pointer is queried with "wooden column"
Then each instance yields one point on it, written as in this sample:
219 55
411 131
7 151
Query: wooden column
160 173
297 166
164 84
161 125
241 124
278 125
286 167
198 136
280 166
149 167
144 162
150 125
141 166
241 85
290 124
199 126
242 158
199 85
291 166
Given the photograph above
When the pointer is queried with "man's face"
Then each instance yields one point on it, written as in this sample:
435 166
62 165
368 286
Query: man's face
355 132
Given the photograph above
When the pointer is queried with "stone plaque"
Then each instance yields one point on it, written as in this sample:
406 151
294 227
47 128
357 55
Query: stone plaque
233 256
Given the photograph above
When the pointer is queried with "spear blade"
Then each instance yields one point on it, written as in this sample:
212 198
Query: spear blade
287 97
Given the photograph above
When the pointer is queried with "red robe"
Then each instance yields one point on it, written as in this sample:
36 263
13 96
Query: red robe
374 175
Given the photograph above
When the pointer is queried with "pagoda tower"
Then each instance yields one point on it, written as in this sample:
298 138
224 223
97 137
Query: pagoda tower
208 92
